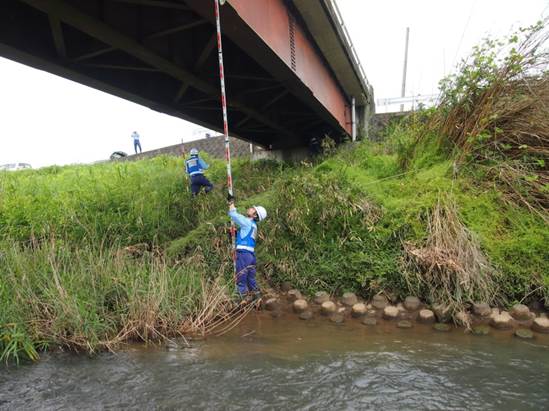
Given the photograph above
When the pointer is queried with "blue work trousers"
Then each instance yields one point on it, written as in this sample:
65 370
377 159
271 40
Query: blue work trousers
136 144
198 181
245 272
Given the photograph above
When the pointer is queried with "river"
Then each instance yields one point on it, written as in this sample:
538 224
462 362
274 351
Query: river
285 363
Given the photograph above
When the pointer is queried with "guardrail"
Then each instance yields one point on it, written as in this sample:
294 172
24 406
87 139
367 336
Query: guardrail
430 98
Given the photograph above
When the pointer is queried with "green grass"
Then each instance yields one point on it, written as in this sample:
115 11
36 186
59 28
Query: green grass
336 225
125 203
83 299
128 202
65 278
340 224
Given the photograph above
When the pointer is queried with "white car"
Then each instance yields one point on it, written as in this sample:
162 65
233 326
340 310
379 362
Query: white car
14 166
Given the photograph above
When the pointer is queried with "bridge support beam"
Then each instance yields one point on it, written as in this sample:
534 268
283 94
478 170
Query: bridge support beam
59 10
291 75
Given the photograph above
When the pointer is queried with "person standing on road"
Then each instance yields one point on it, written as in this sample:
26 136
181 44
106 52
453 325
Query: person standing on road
245 248
136 142
195 167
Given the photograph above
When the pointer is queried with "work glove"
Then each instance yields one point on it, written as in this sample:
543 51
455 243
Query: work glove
230 198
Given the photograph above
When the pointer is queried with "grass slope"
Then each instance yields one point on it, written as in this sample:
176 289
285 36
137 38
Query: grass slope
339 224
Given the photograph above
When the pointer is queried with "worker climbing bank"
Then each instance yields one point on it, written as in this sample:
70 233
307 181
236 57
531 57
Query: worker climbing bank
195 167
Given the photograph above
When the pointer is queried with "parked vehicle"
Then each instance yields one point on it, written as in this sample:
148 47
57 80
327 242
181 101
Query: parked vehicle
14 166
117 155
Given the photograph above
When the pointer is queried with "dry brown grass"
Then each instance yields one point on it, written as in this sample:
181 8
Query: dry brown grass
122 298
216 313
497 114
449 268
516 117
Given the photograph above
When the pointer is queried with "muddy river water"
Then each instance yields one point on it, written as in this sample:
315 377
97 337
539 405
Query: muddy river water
285 363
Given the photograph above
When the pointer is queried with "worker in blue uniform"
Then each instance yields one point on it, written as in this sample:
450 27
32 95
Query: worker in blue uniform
245 248
195 167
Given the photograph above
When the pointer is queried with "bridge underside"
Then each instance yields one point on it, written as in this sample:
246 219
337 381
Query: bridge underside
162 54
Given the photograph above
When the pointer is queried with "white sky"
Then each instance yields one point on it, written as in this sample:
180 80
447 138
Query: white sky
49 120
441 32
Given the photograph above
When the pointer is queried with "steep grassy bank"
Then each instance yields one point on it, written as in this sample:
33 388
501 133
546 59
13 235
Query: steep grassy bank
81 253
348 222
452 206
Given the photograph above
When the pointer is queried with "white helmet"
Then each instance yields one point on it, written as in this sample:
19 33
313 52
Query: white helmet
193 152
261 212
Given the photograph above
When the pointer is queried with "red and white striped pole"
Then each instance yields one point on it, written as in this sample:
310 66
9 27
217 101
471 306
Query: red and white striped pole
225 123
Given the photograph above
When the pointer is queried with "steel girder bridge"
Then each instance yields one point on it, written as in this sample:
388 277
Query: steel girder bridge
291 70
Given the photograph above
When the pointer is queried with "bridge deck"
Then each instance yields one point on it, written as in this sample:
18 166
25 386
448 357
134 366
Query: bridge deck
161 53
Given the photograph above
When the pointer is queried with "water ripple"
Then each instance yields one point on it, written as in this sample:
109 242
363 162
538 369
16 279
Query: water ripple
284 373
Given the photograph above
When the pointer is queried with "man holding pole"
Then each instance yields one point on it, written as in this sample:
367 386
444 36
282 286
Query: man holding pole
245 248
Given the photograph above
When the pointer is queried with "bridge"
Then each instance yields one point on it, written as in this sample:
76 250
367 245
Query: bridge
292 73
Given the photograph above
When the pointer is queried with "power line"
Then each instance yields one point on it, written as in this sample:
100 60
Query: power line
464 30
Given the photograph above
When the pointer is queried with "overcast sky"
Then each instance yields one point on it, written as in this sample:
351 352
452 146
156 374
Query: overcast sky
48 120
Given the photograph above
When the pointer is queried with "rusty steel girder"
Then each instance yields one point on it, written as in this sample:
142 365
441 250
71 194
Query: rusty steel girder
272 33
285 87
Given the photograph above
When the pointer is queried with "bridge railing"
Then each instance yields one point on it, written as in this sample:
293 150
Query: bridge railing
349 42
383 105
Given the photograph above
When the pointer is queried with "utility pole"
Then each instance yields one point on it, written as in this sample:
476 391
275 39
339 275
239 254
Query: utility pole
403 92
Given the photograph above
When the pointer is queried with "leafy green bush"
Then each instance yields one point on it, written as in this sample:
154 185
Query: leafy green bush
322 235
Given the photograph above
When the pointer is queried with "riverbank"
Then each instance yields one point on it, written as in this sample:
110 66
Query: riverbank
344 224
82 252
477 319
73 275
97 256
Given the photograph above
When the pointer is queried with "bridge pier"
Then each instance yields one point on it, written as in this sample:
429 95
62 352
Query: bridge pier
366 115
